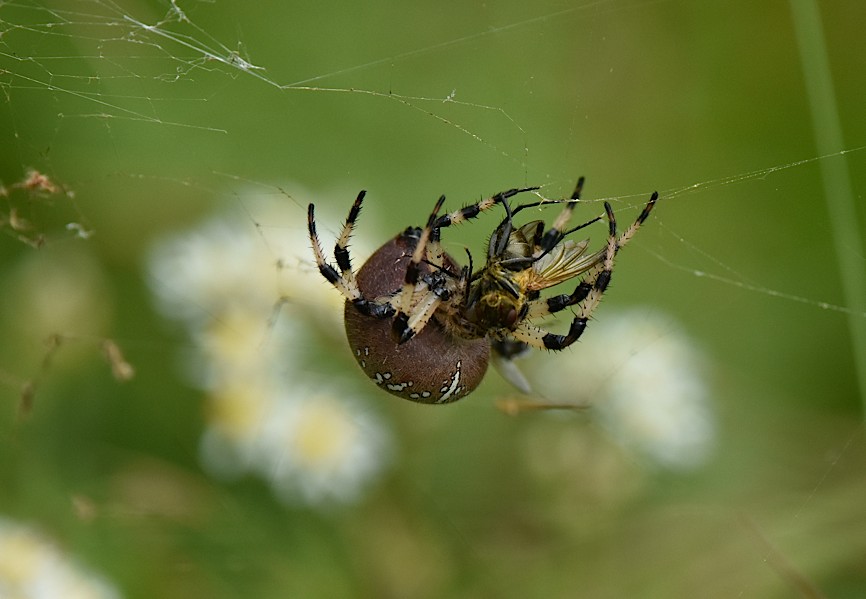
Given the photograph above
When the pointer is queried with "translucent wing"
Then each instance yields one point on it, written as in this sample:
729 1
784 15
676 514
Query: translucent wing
502 357
563 262
520 243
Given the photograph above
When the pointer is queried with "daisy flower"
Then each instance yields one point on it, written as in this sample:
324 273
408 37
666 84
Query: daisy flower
248 297
32 567
645 380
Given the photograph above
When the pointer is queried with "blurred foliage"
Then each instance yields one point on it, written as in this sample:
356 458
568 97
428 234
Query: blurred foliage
148 118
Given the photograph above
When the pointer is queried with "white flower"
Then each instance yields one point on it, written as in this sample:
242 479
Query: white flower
31 567
198 274
645 380
246 294
319 448
235 416
313 446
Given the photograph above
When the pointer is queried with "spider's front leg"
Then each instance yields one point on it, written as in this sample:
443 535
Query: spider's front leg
544 242
540 339
598 278
473 210
344 280
557 231
587 294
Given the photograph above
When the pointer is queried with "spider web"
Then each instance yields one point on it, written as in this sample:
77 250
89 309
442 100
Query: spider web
143 115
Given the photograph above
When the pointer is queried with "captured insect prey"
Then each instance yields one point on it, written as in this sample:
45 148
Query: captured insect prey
423 327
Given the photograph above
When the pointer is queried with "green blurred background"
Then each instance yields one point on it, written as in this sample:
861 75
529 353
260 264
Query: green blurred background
145 115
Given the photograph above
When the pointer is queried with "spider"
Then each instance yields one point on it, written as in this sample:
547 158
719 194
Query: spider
423 327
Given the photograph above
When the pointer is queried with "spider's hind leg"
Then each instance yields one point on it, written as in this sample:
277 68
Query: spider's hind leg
348 287
344 281
341 247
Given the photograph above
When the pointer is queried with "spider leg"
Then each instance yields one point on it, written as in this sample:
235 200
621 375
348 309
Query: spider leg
589 291
556 232
429 244
421 314
341 248
544 242
344 281
348 287
598 278
539 308
540 339
473 210
629 233
467 213
412 283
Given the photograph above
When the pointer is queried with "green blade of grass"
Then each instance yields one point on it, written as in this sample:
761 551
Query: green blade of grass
848 241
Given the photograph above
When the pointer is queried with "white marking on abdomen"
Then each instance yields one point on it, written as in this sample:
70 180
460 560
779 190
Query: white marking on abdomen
449 390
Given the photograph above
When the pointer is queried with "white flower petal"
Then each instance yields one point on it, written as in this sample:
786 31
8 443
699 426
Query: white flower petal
646 382
32 567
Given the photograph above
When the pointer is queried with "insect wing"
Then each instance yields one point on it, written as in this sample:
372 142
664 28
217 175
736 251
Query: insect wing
502 357
531 231
521 240
563 262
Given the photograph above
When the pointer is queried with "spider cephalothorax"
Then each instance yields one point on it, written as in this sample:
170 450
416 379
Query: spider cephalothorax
422 327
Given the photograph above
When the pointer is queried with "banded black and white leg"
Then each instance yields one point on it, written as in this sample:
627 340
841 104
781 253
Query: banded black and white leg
598 276
411 314
587 294
419 299
344 280
467 213
543 242
557 231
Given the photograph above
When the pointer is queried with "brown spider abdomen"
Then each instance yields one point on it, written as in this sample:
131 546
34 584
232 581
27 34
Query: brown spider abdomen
433 366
